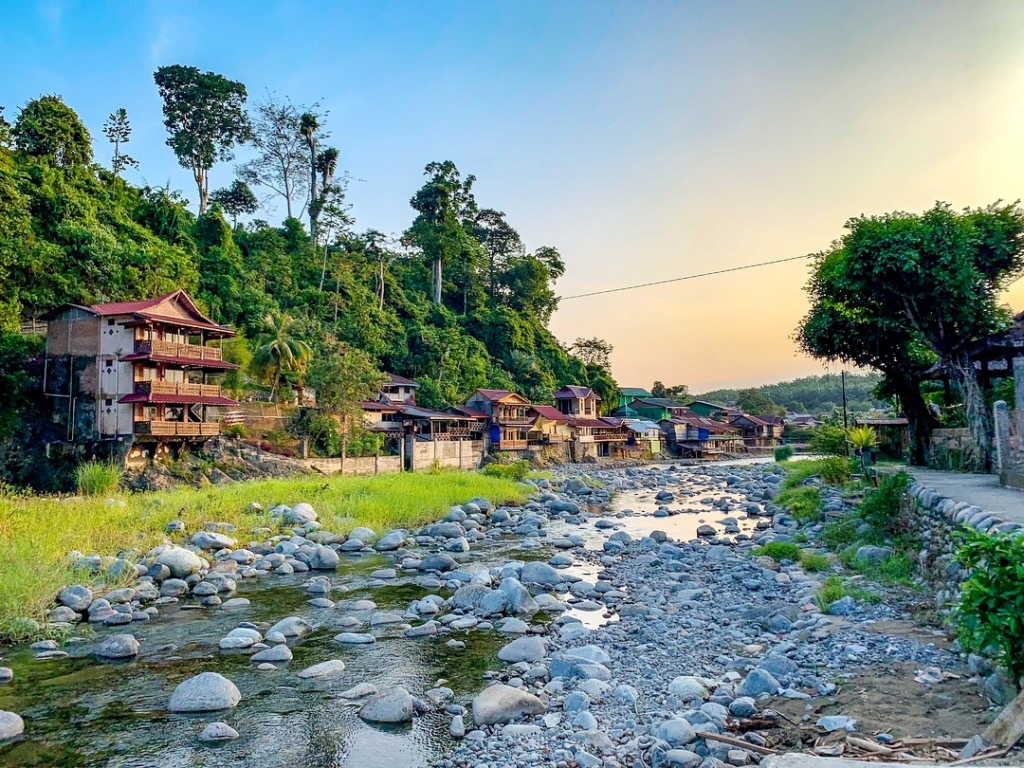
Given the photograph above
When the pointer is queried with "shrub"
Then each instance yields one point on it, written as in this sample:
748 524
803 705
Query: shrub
96 478
829 441
813 562
835 470
888 508
840 534
831 590
988 616
779 550
861 437
517 470
235 430
784 452
803 503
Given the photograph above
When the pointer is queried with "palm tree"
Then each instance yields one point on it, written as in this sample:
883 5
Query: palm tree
278 349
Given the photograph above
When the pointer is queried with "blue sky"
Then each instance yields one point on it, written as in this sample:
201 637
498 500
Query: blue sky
643 139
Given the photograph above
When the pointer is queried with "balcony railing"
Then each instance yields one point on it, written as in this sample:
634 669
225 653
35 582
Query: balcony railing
177 428
171 349
176 388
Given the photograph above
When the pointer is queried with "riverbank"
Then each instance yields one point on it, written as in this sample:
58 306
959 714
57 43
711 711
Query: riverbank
37 533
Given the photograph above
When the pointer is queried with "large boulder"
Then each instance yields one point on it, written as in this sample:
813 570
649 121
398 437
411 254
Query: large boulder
537 572
438 562
757 682
293 626
180 562
206 692
323 669
395 706
469 597
11 725
116 647
529 649
503 704
519 600
676 732
77 598
300 514
277 653
211 540
324 559
687 687
392 540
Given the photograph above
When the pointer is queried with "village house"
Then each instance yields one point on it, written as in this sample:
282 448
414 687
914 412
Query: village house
136 372
506 414
657 408
709 410
758 431
692 435
550 426
629 394
574 400
597 438
646 436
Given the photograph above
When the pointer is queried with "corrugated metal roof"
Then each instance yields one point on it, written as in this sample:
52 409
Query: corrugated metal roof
177 399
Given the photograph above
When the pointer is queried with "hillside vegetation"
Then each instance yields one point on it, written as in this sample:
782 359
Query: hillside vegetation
811 394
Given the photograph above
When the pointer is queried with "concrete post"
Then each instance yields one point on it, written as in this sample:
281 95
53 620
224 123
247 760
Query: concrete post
1018 386
1001 424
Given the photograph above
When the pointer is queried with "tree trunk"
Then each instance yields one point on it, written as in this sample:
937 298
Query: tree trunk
921 422
438 273
966 378
380 289
313 211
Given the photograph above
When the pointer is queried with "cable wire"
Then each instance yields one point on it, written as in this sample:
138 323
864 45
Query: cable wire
686 277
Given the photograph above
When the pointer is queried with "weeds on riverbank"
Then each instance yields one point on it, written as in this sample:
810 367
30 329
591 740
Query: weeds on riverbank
97 478
804 503
778 551
37 533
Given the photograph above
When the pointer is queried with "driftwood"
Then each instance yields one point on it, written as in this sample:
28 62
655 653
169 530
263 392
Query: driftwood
737 743
1007 729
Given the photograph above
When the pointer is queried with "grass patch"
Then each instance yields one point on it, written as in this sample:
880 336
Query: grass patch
783 452
839 534
778 551
835 588
37 533
799 471
835 471
814 563
97 478
803 503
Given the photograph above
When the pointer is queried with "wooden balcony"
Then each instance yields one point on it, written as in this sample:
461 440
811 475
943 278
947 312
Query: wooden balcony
512 445
177 428
176 388
170 349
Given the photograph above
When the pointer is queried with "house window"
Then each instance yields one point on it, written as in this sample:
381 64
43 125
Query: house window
110 321
108 401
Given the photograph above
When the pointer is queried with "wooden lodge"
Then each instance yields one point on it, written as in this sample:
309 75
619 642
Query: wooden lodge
136 371
507 417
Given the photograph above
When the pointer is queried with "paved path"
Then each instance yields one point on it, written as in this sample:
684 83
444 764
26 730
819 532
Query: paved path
980 490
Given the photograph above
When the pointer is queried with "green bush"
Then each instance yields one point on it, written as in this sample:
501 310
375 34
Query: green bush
96 478
829 441
831 590
784 452
778 551
889 508
989 615
517 470
835 470
814 563
840 534
235 430
803 503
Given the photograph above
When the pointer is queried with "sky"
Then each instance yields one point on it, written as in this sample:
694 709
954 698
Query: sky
644 140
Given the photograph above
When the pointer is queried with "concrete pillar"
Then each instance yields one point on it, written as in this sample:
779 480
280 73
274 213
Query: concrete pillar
1001 425
1018 385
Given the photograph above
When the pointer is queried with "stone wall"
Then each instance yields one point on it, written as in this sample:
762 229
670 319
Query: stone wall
449 454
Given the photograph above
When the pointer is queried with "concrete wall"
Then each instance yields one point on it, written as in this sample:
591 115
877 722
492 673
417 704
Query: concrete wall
366 465
449 454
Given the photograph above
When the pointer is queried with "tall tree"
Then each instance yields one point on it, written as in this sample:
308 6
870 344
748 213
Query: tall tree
593 351
500 242
282 163
118 131
939 273
204 113
279 349
446 211
48 128
343 377
236 200
323 164
5 131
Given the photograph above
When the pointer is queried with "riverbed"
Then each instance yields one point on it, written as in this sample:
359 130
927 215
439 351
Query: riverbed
79 712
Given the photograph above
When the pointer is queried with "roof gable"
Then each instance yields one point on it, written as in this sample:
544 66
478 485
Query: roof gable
575 390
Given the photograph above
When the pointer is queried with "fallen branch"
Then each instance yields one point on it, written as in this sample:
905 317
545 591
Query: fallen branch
737 743
983 756
868 746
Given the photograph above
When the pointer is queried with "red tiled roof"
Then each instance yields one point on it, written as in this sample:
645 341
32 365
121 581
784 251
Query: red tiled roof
574 390
184 322
584 422
550 412
186 361
376 406
129 307
177 399
494 394
400 381
472 412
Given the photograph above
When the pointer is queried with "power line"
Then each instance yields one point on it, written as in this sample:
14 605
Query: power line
687 277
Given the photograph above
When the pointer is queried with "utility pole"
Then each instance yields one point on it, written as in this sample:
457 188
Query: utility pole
842 375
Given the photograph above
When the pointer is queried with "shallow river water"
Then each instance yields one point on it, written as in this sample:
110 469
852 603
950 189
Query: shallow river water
78 712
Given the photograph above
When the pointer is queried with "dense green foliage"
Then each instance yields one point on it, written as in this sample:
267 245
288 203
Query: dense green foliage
515 470
888 508
900 291
72 231
97 478
819 395
829 440
835 470
778 551
783 453
990 615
